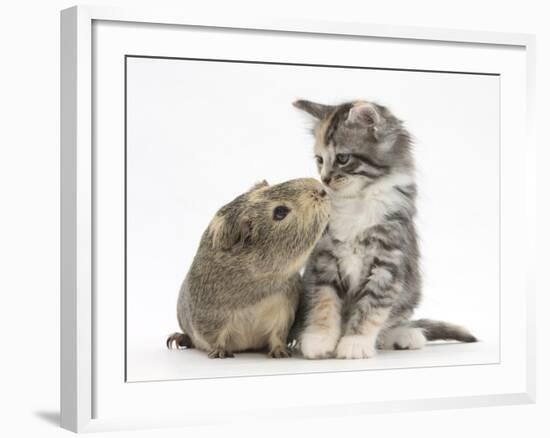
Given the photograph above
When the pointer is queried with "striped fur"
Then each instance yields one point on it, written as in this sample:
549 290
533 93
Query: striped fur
362 280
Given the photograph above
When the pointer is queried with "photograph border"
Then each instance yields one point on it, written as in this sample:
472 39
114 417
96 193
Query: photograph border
77 196
255 62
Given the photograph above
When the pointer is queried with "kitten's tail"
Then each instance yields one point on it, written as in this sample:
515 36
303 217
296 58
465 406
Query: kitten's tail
439 330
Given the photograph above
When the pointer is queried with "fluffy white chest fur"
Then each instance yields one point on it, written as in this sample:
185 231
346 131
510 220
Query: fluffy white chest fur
351 218
351 256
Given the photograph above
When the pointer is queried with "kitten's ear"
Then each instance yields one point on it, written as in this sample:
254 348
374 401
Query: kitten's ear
363 114
227 233
317 110
259 185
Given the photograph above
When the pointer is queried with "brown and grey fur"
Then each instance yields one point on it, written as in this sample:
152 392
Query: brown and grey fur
242 290
362 280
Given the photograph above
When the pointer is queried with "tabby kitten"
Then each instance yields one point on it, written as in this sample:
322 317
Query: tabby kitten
362 279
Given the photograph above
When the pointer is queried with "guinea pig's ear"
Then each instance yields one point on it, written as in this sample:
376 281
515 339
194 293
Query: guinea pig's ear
317 110
228 233
259 185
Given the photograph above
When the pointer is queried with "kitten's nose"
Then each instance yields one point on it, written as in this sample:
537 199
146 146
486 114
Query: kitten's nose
326 180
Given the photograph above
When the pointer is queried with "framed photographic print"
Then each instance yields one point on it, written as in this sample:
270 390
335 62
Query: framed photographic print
298 209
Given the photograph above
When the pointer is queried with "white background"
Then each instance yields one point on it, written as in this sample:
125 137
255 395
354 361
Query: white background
30 220
199 133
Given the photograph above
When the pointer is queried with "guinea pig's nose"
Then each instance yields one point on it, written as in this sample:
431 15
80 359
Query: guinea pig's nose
322 193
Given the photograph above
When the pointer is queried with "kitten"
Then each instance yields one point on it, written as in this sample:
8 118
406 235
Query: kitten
362 279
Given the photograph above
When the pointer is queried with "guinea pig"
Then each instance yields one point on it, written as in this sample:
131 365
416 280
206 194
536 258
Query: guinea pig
243 287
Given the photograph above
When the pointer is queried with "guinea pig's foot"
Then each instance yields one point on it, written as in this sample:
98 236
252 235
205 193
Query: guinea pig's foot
180 340
279 352
219 353
292 344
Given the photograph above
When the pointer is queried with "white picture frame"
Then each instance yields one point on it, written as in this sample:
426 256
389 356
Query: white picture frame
94 392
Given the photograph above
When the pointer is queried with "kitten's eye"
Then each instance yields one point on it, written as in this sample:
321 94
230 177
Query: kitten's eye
342 158
280 212
319 159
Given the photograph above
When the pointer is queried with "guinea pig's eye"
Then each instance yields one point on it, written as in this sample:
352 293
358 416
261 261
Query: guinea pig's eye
342 158
280 212
319 159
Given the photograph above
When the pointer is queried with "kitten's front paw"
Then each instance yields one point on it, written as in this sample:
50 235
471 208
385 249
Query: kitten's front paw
355 347
318 345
